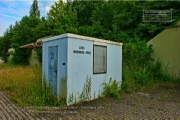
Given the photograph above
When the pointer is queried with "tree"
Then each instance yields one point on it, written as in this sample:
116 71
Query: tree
43 29
62 18
5 42
19 38
34 11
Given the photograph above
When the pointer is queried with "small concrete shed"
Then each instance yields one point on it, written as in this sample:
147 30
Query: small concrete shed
75 66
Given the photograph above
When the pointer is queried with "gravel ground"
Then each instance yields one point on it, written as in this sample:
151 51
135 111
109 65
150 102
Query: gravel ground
159 103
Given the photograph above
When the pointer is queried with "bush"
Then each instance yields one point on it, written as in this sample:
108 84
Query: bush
141 76
139 69
39 54
137 53
111 89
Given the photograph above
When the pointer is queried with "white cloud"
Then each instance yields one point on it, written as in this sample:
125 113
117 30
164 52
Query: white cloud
30 2
9 16
47 8
18 9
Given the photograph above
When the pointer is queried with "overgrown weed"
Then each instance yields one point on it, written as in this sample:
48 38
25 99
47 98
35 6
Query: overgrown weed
111 89
139 69
24 86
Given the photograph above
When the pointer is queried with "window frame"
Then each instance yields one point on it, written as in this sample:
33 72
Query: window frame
104 72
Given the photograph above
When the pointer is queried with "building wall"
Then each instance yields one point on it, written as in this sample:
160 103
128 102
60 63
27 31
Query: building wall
62 69
32 58
10 51
166 47
1 61
79 67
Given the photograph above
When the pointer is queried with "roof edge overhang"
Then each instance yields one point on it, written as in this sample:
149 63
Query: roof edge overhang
70 35
32 45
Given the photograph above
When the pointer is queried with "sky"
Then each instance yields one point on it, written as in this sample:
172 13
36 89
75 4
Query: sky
13 10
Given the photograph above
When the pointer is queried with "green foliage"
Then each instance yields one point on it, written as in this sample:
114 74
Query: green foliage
20 56
137 58
137 53
63 22
139 69
71 98
84 95
159 72
86 92
141 76
43 29
111 89
34 11
47 97
84 10
5 42
39 54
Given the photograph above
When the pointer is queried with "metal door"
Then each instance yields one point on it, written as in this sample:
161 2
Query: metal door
52 61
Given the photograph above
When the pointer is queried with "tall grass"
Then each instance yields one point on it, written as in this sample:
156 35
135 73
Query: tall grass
23 84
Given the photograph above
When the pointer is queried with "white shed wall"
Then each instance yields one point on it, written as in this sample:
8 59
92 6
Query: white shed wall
80 66
62 58
75 67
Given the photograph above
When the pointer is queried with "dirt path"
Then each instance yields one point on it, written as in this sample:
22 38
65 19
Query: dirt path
161 103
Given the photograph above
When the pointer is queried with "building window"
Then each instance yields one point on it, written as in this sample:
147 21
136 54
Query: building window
100 59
